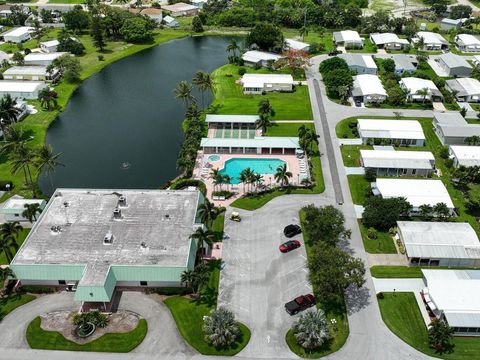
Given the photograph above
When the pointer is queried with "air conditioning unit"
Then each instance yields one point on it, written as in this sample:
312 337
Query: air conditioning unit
122 201
108 239
117 213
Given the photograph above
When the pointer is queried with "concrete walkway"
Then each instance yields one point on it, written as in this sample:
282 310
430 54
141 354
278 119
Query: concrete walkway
387 259
399 285
354 170
350 141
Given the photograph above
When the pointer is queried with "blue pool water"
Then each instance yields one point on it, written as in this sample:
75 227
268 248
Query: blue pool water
234 167
214 157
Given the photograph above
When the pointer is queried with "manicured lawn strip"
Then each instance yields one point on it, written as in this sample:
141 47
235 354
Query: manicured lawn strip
36 125
336 311
38 338
257 201
10 303
395 272
383 244
359 188
217 227
20 239
351 154
229 97
368 47
401 314
188 315
287 129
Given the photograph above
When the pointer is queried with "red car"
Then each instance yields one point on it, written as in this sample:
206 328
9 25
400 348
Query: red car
300 303
289 246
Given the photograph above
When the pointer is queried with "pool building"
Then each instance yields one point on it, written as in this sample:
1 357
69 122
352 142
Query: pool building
98 240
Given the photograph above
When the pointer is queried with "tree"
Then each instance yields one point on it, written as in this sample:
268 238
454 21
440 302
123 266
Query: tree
136 30
48 98
472 140
38 31
220 328
76 19
337 79
265 36
47 16
389 65
18 59
97 32
426 212
201 277
47 161
460 11
372 233
207 213
332 271
382 214
325 224
183 91
69 66
264 107
441 211
8 111
263 122
204 82
203 237
282 175
197 25
5 273
186 278
311 329
303 32
331 64
6 245
440 335
13 140
22 159
31 211
69 44
232 49
423 93
11 229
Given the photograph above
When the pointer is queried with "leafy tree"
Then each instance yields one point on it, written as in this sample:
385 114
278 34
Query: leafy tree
440 335
331 64
383 214
47 16
48 99
460 11
472 140
389 65
441 210
220 328
396 96
18 59
76 19
69 44
332 271
31 211
266 36
136 30
282 175
97 32
18 15
69 66
311 329
440 8
197 25
337 79
264 107
426 212
325 224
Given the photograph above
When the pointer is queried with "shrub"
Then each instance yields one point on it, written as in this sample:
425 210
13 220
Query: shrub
380 296
220 328
311 329
444 153
34 289
242 71
372 233
227 194
169 291
101 58
95 317
184 183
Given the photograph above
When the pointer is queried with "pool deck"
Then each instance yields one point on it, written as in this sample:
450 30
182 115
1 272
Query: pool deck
204 167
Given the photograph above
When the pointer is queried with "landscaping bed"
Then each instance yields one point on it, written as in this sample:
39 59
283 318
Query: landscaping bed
383 244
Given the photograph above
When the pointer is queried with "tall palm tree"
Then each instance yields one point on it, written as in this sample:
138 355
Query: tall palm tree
31 211
204 237
6 245
264 107
22 160
10 230
263 122
207 212
311 329
204 82
227 179
8 109
47 161
232 48
187 278
220 328
14 139
303 31
200 278
282 175
183 91
5 273
48 99
38 31
246 176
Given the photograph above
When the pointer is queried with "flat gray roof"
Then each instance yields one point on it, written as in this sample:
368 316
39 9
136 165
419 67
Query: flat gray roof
162 220
454 61
250 119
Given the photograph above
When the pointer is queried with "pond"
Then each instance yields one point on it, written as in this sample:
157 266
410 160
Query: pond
122 127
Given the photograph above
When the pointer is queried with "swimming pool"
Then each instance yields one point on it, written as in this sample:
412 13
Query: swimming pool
214 157
234 167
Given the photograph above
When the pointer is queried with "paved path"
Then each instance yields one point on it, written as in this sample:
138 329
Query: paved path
400 285
387 259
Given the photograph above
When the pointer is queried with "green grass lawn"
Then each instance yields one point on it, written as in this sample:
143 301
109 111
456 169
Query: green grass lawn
368 47
36 124
399 272
188 315
312 37
359 188
351 154
217 227
38 338
66 1
339 332
229 97
401 314
383 244
20 239
10 303
286 129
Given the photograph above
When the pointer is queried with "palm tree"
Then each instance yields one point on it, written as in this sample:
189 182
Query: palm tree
183 91
48 99
8 110
38 31
203 237
303 31
10 230
423 92
216 177
220 328
311 329
6 248
192 112
282 175
5 273
233 48
246 176
201 277
47 161
302 130
227 179
187 278
14 139
264 107
439 334
207 212
31 211
22 159
263 122
257 179
204 82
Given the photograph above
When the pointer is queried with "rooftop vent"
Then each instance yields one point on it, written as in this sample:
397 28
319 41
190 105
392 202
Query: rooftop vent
122 201
117 213
108 239
143 245
56 229
167 216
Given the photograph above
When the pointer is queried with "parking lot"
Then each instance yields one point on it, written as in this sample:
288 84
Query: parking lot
258 279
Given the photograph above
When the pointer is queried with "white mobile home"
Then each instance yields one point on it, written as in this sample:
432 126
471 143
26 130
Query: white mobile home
465 155
259 58
368 89
18 34
388 41
467 43
361 64
401 132
14 207
348 38
452 129
432 41
398 163
31 73
465 89
49 46
451 244
42 59
258 83
415 88
297 45
21 89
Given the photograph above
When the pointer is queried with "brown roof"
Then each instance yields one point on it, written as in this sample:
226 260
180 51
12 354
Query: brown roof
134 10
151 11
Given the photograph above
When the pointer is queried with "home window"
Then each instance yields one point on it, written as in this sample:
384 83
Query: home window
143 283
